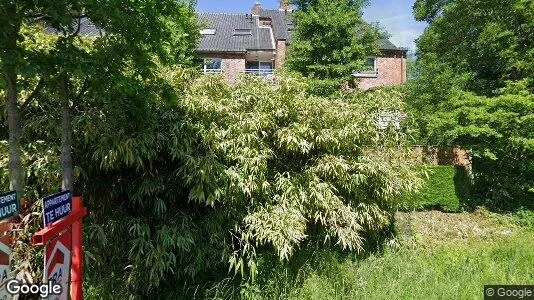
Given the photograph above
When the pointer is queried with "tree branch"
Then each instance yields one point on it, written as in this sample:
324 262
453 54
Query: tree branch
79 19
34 94
83 89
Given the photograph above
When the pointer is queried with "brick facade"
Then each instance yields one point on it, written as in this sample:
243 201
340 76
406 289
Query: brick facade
441 156
232 65
280 56
391 70
259 42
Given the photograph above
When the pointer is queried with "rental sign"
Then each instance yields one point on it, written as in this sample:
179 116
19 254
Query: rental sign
8 205
56 207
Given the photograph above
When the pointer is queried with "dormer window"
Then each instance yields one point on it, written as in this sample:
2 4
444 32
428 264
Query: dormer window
265 22
242 31
207 31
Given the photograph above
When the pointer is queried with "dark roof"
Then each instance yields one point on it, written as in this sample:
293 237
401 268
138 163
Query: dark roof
86 28
224 39
224 24
385 44
282 23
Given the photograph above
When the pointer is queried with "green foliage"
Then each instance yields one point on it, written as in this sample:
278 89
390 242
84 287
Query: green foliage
41 166
487 50
330 42
446 188
211 175
216 174
188 176
489 44
127 56
499 132
451 265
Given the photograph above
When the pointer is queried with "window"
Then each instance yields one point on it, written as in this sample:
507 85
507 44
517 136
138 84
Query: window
207 31
265 22
242 31
212 65
259 65
370 64
259 68
369 70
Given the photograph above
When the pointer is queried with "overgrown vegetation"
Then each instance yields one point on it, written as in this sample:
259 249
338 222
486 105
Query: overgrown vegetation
210 175
287 189
434 256
474 89
499 132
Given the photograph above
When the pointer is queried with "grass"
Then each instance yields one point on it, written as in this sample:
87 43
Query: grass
435 256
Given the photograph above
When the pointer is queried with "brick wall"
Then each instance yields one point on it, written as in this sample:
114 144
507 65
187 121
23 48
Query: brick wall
441 156
232 65
280 56
391 68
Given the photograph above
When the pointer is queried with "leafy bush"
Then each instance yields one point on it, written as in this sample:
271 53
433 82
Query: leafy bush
499 132
446 188
224 171
211 174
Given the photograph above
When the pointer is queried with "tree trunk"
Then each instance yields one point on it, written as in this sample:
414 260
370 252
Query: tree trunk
10 61
13 120
67 170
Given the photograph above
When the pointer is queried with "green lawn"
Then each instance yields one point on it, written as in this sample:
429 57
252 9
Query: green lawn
435 256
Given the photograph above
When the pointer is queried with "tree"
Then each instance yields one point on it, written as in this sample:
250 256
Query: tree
165 31
474 89
330 42
68 71
499 132
490 45
10 23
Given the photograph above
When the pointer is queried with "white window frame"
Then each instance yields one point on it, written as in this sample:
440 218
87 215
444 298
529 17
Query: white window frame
368 74
205 68
242 31
208 31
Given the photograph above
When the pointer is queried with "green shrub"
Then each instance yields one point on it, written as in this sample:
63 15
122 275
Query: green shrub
499 133
209 175
446 188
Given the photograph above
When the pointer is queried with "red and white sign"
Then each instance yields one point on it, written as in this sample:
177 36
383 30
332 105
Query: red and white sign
57 263
5 259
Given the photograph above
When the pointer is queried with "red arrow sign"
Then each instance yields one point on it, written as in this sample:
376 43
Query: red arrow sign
58 261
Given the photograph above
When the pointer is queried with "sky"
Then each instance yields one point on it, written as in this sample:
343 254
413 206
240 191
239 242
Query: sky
395 16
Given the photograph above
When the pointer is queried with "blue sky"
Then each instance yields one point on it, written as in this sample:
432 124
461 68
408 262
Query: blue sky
395 16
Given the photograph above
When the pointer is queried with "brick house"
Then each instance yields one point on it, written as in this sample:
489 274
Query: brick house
256 43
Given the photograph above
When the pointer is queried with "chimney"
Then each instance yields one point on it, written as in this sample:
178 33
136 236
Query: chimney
285 5
256 9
